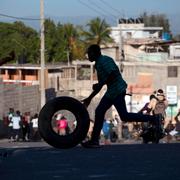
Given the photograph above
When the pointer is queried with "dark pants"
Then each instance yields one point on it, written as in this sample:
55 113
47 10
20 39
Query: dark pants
10 132
120 105
16 134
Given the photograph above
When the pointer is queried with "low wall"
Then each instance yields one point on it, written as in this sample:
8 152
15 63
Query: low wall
24 99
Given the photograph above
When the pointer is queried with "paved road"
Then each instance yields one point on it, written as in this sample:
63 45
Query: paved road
34 161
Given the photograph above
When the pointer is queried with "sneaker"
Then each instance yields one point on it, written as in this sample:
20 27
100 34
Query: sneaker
90 144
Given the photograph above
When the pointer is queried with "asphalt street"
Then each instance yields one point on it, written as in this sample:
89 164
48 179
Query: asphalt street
34 161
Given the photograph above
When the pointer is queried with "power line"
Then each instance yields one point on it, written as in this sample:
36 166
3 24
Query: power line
109 6
114 17
97 11
85 4
20 18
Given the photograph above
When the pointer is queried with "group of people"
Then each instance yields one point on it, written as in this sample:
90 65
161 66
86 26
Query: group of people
115 130
21 126
157 105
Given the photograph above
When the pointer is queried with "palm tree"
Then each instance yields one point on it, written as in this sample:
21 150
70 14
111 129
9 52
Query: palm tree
98 33
68 45
71 36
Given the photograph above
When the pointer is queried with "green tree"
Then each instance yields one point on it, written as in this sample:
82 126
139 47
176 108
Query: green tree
21 39
60 47
50 40
71 37
61 41
6 33
98 32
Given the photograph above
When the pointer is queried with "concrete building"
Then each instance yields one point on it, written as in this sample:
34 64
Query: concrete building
133 29
174 51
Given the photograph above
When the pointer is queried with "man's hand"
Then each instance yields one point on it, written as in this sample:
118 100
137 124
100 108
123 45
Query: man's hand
96 88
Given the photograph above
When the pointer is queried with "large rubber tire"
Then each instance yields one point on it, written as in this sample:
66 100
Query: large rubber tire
45 118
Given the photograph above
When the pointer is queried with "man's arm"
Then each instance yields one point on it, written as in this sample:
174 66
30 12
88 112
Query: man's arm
97 87
87 101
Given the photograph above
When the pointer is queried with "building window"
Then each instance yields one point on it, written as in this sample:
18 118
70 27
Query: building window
84 72
12 73
2 71
30 72
129 35
172 71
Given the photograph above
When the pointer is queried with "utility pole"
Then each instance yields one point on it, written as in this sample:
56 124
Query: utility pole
68 58
121 49
120 44
42 50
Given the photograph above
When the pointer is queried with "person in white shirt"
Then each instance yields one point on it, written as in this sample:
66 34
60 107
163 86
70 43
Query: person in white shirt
10 130
35 134
16 120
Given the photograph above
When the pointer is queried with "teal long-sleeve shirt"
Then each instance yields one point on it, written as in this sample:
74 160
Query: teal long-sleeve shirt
104 66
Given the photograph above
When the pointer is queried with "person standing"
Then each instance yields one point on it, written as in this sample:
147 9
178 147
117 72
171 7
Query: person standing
161 104
62 125
10 124
108 74
26 126
119 127
106 131
16 120
35 133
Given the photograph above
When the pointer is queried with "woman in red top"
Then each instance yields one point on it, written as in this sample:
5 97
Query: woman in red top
62 125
